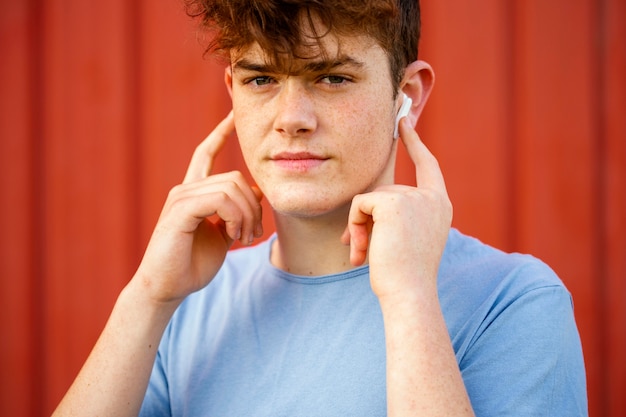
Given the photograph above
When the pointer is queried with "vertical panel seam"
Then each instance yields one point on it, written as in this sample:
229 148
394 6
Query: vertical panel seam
599 106
38 151
135 131
511 124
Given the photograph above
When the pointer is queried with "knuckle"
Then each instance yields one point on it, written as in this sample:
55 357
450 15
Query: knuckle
236 177
221 197
175 192
176 189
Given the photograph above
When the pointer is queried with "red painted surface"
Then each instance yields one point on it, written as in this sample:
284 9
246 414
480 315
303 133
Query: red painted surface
102 104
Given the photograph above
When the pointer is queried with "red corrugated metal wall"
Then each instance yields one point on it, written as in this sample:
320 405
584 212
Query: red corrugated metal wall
102 103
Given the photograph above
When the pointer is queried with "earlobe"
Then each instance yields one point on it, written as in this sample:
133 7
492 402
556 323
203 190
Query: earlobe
418 81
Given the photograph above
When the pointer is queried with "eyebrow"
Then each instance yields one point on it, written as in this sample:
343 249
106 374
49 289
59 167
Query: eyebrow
313 66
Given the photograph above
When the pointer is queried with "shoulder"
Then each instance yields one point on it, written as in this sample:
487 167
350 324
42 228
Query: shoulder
481 269
480 286
506 311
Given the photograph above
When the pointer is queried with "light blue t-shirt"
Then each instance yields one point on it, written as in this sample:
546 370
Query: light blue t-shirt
261 342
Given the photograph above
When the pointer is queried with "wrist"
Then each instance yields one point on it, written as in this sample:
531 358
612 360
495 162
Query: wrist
139 293
421 293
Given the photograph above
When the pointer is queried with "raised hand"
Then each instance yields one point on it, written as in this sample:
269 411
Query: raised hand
200 220
402 229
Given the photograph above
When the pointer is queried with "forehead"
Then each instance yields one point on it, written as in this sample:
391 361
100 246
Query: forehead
331 50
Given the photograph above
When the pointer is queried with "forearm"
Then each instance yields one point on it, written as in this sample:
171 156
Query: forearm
114 378
423 377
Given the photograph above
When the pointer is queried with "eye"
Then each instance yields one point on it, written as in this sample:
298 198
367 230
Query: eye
260 81
334 79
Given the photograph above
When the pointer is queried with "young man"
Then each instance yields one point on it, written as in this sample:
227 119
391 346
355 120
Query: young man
364 302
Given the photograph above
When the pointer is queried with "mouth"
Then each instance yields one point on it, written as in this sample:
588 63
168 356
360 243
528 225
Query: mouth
298 161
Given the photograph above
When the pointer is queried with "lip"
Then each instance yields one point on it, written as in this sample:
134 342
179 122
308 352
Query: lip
298 161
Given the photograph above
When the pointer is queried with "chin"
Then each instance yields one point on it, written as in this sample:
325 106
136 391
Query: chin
306 206
300 210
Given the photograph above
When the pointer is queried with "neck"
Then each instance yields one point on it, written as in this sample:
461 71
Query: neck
311 246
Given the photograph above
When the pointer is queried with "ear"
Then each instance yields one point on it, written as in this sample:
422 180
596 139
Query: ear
418 81
228 80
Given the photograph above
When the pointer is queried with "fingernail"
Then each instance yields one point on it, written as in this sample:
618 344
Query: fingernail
258 230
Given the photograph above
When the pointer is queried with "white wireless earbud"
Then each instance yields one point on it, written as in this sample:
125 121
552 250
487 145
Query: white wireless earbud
404 110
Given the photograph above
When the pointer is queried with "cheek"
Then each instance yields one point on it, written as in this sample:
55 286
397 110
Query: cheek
248 130
366 159
370 132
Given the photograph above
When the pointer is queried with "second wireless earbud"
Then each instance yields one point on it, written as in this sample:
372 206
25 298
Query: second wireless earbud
404 110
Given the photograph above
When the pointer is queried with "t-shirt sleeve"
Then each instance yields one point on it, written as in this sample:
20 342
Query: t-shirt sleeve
526 360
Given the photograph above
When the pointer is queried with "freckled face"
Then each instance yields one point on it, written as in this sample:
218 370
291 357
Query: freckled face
314 138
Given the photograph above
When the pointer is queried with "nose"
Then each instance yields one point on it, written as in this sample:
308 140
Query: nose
295 114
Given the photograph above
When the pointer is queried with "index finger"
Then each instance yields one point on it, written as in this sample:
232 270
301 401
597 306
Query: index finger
204 155
427 170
